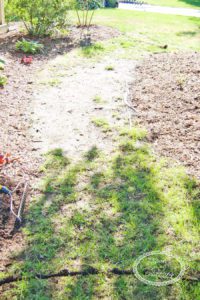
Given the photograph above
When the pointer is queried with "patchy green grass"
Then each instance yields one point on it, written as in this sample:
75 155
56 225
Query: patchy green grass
195 4
109 68
102 123
140 36
131 203
90 51
99 100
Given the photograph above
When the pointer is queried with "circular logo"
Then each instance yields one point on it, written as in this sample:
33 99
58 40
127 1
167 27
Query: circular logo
159 268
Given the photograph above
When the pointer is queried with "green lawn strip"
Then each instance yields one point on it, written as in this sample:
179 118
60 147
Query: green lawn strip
144 33
134 203
195 4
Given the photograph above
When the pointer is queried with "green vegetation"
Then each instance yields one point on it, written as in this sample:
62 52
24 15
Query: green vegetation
109 68
195 4
30 47
85 11
90 51
106 211
139 36
3 80
111 3
102 123
98 99
40 16
131 203
2 64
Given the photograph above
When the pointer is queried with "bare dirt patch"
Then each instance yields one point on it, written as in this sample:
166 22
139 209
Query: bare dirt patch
16 113
166 94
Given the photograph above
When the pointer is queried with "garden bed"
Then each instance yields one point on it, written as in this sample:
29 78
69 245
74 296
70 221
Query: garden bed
166 94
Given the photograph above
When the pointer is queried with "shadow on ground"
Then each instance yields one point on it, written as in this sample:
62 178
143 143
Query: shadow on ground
106 217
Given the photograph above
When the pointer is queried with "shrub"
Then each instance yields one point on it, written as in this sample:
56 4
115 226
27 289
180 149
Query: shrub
10 11
28 46
111 3
86 6
41 16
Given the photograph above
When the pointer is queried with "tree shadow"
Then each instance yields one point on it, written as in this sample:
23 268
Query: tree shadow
132 210
131 225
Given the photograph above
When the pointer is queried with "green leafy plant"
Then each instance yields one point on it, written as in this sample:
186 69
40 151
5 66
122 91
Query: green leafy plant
111 3
40 17
29 46
3 80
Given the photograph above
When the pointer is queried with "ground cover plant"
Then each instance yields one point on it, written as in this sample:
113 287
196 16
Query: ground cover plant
31 47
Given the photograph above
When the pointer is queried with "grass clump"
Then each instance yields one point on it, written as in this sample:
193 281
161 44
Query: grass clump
98 99
102 123
109 68
92 50
135 133
92 153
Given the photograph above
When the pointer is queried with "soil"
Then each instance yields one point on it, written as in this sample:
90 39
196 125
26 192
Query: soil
166 95
29 116
17 118
73 100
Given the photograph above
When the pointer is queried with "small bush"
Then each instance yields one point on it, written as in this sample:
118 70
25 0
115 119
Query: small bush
111 3
29 46
3 80
40 17
88 4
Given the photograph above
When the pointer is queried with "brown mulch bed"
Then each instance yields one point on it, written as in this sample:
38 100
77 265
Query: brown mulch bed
166 95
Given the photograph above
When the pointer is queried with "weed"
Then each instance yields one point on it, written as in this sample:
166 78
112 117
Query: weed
102 124
181 80
31 47
3 80
109 68
98 99
92 153
93 50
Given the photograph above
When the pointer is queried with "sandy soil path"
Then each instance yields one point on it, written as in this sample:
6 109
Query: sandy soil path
63 114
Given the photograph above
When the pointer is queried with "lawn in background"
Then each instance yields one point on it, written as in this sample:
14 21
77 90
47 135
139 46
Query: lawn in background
150 31
176 3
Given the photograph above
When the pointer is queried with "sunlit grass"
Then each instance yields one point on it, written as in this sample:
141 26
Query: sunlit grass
105 212
195 4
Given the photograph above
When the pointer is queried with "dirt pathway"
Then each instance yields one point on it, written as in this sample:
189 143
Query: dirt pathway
64 115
